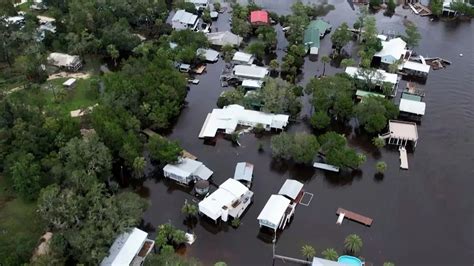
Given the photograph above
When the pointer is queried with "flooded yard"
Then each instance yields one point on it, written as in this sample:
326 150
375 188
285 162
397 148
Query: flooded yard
421 216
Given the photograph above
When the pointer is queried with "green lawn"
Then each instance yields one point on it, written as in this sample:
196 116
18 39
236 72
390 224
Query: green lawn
20 227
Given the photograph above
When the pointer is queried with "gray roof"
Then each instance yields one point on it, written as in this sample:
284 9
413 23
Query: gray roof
209 54
243 171
224 37
125 248
184 17
291 188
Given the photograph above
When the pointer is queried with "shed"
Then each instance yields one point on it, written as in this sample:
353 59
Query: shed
187 170
243 58
412 107
70 83
125 248
210 54
311 38
259 17
184 68
273 214
243 172
291 189
224 38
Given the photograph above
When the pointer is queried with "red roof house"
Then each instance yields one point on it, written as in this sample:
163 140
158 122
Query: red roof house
259 17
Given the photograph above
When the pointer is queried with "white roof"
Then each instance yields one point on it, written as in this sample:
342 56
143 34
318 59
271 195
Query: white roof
14 19
230 116
198 2
403 130
291 188
125 248
187 167
314 50
184 17
377 75
382 37
243 171
60 59
252 71
392 50
251 83
69 82
44 19
326 166
274 209
224 37
209 54
417 66
228 192
413 107
243 57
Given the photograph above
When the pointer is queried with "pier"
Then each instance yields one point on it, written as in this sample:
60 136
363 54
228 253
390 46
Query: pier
403 158
353 216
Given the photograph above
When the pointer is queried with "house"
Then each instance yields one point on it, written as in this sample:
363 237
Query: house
230 199
65 61
401 132
199 4
242 58
222 38
311 39
276 214
209 54
252 84
292 189
411 106
416 69
184 20
129 248
392 51
227 119
322 26
259 17
186 171
244 173
377 77
250 72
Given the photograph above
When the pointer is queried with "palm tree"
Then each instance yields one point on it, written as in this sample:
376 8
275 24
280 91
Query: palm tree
330 254
189 209
274 65
308 252
353 243
388 263
325 59
381 167
347 62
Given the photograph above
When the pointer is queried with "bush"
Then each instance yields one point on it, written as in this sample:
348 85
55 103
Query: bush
378 142
320 120
375 3
258 129
235 223
217 6
381 167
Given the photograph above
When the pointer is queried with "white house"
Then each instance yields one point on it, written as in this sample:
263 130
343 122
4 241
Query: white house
412 107
69 62
393 50
377 77
209 54
184 20
416 69
230 199
250 72
187 170
252 84
199 4
222 38
129 248
243 58
276 213
230 116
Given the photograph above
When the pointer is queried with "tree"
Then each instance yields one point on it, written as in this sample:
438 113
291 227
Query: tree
375 4
113 53
274 65
412 36
330 254
256 48
228 52
462 8
320 120
334 147
189 209
308 252
347 62
31 64
378 142
341 36
278 97
169 235
240 27
325 59
374 112
206 16
391 5
353 243
163 150
388 263
138 167
299 147
230 97
26 176
381 167
267 35
217 6
436 7
235 222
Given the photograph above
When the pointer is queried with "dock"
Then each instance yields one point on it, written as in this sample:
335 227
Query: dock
327 167
403 158
353 216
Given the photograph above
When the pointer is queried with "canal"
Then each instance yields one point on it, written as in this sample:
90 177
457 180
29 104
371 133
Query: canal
423 216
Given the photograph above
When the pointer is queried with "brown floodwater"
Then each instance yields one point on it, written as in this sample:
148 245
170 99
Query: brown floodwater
422 216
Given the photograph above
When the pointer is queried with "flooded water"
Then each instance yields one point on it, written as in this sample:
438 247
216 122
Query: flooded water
423 216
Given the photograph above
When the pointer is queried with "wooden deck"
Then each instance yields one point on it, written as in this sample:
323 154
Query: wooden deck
355 216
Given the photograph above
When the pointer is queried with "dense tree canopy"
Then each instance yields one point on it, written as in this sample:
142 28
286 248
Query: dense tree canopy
341 36
299 147
334 146
163 150
374 112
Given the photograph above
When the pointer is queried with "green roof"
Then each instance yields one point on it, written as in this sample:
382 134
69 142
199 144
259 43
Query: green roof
361 94
411 97
311 36
320 24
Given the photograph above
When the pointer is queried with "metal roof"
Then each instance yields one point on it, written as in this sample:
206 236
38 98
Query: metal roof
377 75
243 57
184 17
416 66
243 171
210 54
413 107
291 188
392 50
311 36
125 248
251 83
251 71
259 16
186 167
224 37
274 210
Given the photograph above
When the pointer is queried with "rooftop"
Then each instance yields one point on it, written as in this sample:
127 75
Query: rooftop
184 17
210 54
243 57
412 107
125 248
224 37
274 209
186 167
377 75
250 71
259 16
291 188
403 130
243 171
392 50
416 66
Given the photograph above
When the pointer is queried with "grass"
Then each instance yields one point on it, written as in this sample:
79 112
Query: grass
20 227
